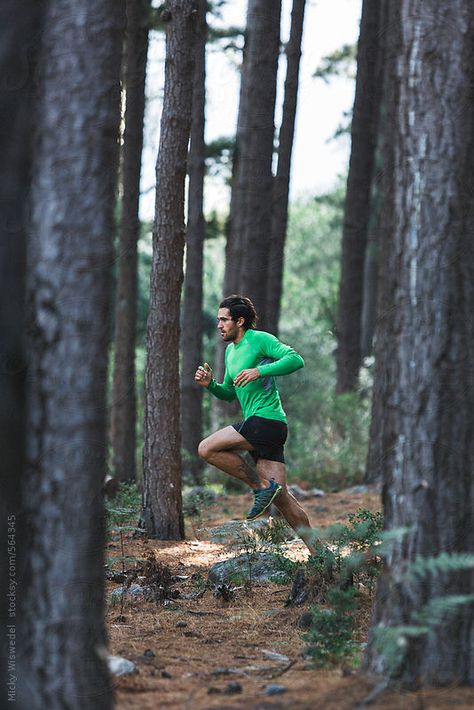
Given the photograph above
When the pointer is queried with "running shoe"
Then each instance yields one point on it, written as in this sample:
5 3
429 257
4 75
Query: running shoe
264 497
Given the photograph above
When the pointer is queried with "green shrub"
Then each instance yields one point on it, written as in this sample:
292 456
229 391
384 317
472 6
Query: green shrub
125 507
345 554
330 639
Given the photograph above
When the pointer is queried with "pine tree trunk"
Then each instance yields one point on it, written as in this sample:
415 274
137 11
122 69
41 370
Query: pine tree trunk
123 413
281 183
234 227
380 438
162 506
369 298
425 375
357 205
191 344
256 153
220 410
19 41
69 267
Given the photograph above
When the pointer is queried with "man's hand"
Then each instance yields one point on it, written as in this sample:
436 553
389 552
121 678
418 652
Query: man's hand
246 376
203 375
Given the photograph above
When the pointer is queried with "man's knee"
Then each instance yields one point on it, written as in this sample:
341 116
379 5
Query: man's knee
205 449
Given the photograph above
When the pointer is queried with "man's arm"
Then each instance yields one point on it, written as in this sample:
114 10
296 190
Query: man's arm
225 391
286 360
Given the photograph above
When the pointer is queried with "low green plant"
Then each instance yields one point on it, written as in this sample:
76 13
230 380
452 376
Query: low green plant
266 538
275 532
365 528
196 499
125 507
324 564
331 637
354 552
287 570
344 555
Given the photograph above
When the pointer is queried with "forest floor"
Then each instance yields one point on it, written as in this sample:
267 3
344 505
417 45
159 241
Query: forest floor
203 652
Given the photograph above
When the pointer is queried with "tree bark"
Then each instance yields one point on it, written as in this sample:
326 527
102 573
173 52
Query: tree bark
256 153
123 406
191 393
425 336
369 297
162 506
357 205
69 265
20 36
234 228
281 183
380 438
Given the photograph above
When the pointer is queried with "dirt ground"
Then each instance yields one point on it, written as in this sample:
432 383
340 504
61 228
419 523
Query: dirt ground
198 651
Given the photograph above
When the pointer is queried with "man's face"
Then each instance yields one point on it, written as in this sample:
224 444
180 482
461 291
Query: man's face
228 328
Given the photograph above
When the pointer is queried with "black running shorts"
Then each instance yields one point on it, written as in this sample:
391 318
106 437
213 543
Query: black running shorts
267 437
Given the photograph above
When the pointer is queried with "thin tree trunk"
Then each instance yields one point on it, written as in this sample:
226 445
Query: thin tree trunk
233 254
357 205
380 440
191 394
256 154
19 41
162 506
220 410
428 405
369 298
69 267
123 413
281 183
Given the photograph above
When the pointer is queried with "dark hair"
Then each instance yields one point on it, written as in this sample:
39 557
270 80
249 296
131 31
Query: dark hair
241 307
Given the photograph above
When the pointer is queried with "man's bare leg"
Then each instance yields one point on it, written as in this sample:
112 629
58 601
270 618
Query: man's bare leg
286 503
220 450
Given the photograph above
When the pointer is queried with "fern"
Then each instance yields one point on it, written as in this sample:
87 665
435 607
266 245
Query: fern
436 610
387 537
391 642
421 567
127 558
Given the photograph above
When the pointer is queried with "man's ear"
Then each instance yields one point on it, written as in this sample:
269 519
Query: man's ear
240 321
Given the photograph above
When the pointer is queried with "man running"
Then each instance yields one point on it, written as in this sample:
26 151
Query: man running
253 359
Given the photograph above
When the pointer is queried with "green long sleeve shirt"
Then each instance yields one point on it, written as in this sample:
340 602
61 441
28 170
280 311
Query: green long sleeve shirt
272 358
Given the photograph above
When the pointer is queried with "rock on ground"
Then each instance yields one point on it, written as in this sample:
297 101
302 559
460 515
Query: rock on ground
120 666
258 566
134 591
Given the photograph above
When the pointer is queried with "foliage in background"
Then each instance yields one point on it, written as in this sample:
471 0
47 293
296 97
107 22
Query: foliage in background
124 510
341 62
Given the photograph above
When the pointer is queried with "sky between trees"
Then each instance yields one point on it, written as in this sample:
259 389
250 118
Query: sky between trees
329 24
